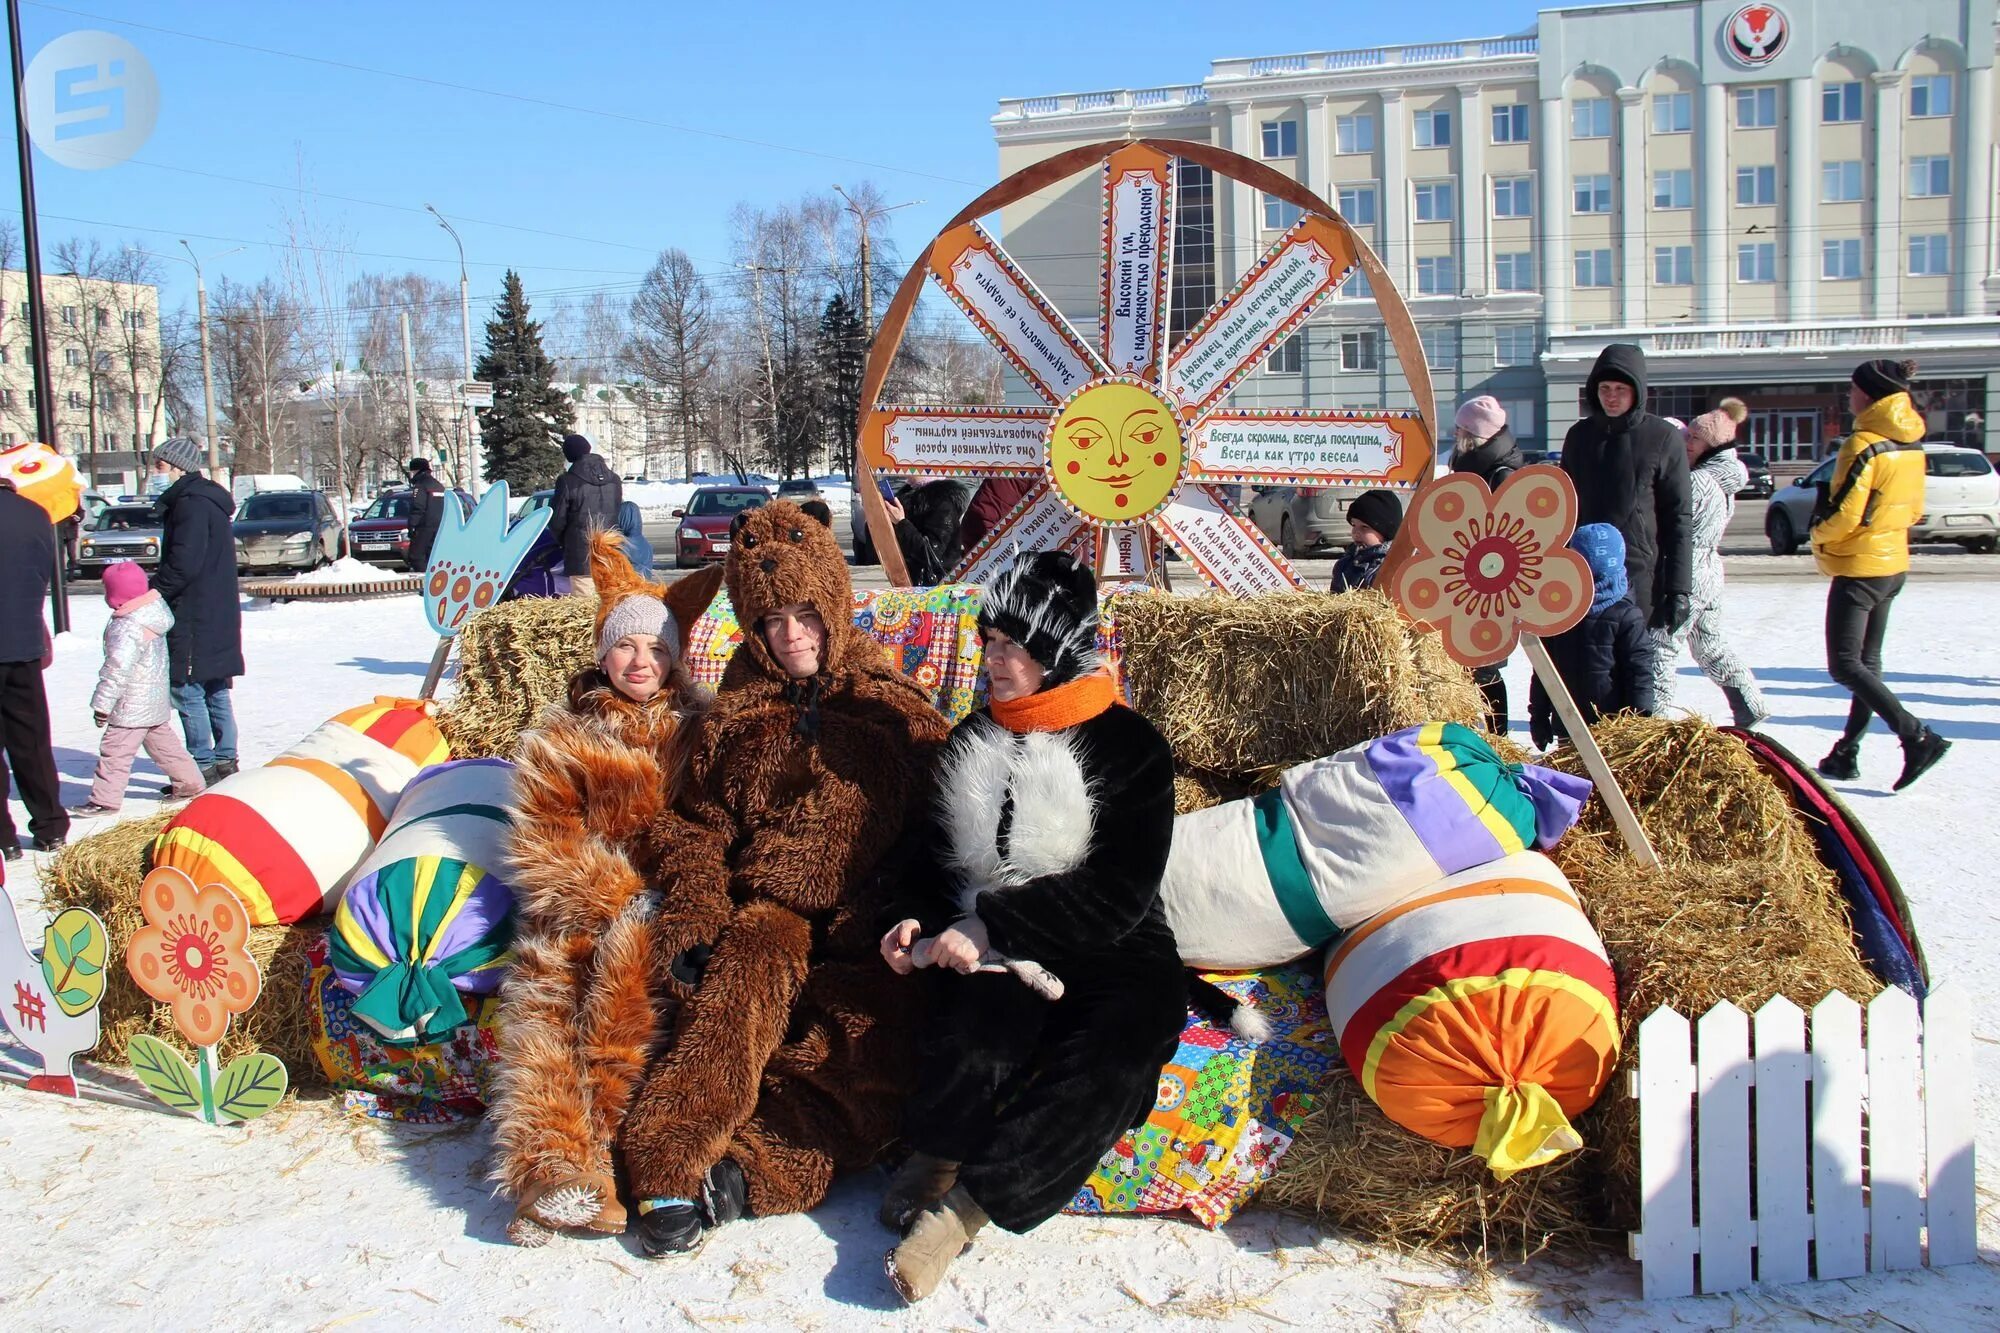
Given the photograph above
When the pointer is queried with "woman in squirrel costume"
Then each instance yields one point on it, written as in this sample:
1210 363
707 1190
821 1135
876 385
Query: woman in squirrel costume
791 1060
578 1012
1047 842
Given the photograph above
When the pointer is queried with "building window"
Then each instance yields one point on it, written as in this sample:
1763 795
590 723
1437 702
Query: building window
1930 95
3 356
1930 257
1930 177
1757 262
1840 260
1515 345
1593 268
1673 266
1590 118
1510 123
1756 108
1514 271
1514 197
7 399
1278 213
1839 182
103 318
1281 138
1354 134
1840 103
1437 275
1593 194
1355 287
1756 185
1357 204
1289 357
1193 272
104 360
1433 129
69 315
1673 189
1673 113
75 400
1361 350
72 356
1434 202
1440 346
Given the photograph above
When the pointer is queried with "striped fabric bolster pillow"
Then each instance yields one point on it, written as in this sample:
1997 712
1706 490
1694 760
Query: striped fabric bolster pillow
1258 882
1481 1014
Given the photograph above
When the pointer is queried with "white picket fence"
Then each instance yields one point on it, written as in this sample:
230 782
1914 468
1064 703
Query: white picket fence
1765 1158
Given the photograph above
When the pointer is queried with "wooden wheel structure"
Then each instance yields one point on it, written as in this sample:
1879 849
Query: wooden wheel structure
1134 442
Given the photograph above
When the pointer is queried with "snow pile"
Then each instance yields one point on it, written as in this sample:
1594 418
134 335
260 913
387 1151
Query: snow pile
346 570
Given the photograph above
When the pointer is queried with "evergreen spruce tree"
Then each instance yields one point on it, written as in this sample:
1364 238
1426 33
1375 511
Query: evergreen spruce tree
842 356
521 434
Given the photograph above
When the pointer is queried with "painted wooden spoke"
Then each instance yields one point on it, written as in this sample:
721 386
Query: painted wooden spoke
1307 447
1040 522
1005 305
1138 245
956 441
1229 553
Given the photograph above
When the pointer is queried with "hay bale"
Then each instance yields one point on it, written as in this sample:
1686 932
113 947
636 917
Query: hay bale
103 873
513 660
1248 687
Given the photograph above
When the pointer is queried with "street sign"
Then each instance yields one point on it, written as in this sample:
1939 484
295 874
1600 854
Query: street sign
477 393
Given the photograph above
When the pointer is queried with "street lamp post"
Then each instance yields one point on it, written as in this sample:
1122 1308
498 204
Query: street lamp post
207 373
862 217
475 481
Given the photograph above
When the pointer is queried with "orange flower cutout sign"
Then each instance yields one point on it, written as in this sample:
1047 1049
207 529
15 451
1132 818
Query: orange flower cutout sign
191 955
1485 567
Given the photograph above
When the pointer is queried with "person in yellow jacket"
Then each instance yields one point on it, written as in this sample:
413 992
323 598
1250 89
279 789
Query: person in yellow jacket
1860 536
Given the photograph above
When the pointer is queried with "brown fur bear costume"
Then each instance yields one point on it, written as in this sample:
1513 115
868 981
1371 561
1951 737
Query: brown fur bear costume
592 784
792 1058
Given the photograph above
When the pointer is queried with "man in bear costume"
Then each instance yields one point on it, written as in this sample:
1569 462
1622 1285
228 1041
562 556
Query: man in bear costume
791 1061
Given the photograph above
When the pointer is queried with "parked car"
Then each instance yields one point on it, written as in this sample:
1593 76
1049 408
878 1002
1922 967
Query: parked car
799 490
1961 502
1304 520
702 536
1530 457
119 532
287 530
381 536
1760 484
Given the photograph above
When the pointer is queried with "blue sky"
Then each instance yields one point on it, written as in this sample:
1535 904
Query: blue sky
885 91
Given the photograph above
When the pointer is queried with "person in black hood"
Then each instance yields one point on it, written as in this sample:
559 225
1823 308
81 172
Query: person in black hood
1483 446
1374 518
197 579
426 512
1630 469
586 502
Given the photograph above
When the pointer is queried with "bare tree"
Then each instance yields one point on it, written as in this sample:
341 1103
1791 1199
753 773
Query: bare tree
316 258
255 340
135 335
673 343
378 303
178 388
80 328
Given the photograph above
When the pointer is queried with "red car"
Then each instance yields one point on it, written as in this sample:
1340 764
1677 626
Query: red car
702 532
381 536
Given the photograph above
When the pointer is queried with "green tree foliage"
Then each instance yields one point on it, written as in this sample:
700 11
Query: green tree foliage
521 434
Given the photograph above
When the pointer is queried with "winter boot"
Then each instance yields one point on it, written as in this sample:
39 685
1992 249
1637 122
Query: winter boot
668 1226
1920 754
1746 713
939 1236
1843 761
724 1194
918 1184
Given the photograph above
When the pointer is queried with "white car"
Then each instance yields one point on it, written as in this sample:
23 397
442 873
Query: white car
1961 502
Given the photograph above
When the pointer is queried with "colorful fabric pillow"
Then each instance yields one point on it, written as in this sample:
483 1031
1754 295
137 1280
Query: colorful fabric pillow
285 837
425 916
1227 1111
1482 1013
1260 881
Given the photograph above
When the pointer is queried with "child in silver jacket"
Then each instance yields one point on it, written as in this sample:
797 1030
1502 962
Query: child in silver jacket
131 701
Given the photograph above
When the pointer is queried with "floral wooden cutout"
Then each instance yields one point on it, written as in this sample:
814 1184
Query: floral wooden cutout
49 1003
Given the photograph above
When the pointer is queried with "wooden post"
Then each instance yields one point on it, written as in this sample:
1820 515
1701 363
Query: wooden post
1593 758
436 672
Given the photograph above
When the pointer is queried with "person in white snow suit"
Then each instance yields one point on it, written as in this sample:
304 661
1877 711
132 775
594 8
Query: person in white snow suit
1715 475
131 701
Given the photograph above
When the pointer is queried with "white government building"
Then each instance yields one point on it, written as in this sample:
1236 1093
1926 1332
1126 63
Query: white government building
1759 195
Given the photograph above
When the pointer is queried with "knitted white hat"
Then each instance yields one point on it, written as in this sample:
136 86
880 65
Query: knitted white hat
637 613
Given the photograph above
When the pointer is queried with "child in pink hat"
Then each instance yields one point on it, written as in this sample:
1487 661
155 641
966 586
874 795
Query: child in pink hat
130 701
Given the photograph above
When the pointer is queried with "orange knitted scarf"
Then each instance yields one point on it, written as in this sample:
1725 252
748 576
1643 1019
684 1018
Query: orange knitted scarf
1059 708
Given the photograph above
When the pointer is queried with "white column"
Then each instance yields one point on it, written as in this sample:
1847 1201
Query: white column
1316 153
1243 204
1973 197
1800 228
1632 205
1552 154
1395 191
1891 250
1474 193
1712 270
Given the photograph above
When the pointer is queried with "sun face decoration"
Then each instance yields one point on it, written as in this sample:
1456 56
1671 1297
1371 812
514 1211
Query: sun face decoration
1135 445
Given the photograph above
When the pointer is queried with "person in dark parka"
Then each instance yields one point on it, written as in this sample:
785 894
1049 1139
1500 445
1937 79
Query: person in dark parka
1484 446
1630 469
586 502
1044 850
28 555
1606 659
426 512
197 577
1374 519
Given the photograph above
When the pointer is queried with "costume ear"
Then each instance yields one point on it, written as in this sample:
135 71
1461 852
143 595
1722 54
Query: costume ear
687 598
613 571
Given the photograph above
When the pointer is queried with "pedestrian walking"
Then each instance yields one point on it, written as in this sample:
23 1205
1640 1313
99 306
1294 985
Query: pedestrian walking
1861 537
632 527
585 503
131 700
1483 445
1605 659
427 501
1715 475
28 555
1374 518
197 579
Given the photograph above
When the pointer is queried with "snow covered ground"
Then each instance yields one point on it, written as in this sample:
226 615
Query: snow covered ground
124 1218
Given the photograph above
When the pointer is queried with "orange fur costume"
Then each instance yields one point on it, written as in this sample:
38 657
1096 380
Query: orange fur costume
592 784
792 1058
